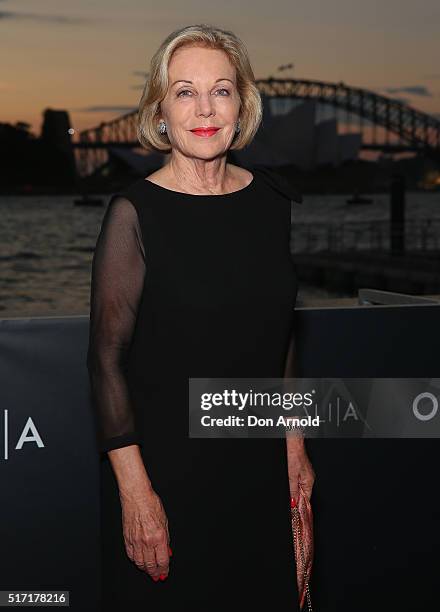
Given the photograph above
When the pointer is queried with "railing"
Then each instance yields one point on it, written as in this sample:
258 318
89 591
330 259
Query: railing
423 235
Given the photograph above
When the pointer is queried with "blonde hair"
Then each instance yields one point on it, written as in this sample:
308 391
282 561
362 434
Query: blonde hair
156 86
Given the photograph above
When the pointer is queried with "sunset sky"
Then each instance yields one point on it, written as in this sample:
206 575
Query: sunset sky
88 57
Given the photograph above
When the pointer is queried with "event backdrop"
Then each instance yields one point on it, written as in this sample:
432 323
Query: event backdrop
375 501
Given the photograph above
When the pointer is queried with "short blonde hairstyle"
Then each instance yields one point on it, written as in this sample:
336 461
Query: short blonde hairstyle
156 86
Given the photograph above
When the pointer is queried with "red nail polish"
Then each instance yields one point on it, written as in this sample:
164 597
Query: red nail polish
292 502
162 576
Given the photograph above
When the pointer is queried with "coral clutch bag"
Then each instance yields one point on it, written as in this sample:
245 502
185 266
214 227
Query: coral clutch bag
302 528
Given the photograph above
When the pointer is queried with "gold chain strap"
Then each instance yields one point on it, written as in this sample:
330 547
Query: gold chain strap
299 542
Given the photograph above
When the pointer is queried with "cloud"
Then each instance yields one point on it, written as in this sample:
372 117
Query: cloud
106 109
35 17
416 90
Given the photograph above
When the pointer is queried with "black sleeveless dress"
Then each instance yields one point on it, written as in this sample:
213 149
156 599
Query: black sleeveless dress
186 286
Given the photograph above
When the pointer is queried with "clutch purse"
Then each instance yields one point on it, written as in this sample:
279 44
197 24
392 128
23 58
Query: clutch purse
302 528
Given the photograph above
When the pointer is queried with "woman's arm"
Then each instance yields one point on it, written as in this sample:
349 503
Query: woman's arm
118 271
118 274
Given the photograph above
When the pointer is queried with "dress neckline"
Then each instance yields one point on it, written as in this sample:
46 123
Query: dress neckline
215 196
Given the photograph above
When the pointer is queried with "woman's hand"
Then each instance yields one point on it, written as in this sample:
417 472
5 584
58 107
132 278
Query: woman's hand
146 535
300 468
144 522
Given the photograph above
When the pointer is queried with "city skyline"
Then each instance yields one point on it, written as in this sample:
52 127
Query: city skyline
91 60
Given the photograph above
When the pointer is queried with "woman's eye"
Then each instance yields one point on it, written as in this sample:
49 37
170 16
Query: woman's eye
187 91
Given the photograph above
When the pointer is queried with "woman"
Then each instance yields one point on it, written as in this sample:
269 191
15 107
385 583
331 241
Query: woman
192 277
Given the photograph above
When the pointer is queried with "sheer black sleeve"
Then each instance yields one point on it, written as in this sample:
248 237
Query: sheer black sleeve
118 271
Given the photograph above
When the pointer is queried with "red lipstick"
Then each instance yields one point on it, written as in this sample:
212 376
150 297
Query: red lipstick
205 131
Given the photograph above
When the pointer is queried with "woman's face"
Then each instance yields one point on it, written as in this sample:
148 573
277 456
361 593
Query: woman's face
202 92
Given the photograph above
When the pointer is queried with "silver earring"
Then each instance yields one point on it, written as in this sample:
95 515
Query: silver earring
162 127
238 127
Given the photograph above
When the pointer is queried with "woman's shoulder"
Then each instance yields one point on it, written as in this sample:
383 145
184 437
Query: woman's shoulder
128 204
132 195
277 181
133 188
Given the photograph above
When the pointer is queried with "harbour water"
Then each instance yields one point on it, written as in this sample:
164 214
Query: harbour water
47 243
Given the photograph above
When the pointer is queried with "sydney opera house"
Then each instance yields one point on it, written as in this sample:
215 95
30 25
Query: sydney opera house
292 133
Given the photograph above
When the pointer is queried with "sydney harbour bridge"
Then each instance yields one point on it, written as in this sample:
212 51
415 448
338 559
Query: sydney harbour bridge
385 124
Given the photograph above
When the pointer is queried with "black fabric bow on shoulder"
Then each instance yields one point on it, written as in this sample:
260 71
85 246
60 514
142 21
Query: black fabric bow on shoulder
278 182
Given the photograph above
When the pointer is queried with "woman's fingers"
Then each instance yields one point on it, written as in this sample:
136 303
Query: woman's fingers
155 552
162 558
308 479
150 562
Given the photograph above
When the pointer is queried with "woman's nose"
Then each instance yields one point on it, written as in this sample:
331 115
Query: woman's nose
205 105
